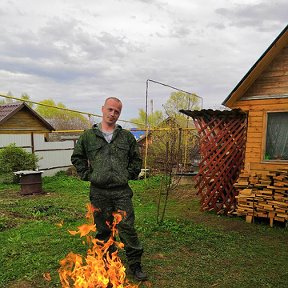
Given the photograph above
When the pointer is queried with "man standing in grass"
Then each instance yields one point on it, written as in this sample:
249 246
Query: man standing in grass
108 156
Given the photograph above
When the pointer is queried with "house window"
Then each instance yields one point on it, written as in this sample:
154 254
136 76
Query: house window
277 136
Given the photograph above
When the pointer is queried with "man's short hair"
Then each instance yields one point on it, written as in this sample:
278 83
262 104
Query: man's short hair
113 98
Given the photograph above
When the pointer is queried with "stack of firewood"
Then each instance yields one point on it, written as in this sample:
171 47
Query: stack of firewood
263 195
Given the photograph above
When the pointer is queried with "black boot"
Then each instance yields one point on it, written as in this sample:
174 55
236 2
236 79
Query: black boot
136 271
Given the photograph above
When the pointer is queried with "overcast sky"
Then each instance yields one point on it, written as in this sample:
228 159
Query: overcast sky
80 52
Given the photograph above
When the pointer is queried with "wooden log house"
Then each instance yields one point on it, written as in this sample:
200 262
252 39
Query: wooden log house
19 118
263 95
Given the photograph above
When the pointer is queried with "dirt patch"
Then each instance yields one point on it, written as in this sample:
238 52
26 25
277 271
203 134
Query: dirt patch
184 192
22 284
8 194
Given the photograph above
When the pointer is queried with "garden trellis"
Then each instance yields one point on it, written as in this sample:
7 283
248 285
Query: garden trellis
222 147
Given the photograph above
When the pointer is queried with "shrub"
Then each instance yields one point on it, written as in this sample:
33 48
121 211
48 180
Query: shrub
14 159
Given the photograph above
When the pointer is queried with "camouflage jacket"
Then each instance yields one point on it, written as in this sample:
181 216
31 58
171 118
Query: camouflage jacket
106 164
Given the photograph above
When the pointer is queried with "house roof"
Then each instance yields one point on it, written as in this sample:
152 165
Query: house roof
273 50
10 109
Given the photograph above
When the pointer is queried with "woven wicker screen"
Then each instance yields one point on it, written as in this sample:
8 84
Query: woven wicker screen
222 147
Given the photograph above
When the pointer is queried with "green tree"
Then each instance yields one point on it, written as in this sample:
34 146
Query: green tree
26 99
181 100
153 119
61 119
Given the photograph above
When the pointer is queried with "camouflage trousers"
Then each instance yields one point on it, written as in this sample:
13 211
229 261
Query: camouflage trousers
107 201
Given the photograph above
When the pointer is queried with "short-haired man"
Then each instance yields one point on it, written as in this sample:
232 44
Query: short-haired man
108 156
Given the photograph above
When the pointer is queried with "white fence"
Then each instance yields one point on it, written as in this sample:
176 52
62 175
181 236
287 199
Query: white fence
54 156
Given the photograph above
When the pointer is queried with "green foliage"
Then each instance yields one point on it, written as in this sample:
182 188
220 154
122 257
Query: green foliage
26 98
177 101
61 119
13 159
153 119
181 100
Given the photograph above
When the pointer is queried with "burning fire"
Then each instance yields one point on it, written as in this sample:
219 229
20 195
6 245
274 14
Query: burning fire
99 269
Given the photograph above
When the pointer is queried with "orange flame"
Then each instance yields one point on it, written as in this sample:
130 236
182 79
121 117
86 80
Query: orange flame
99 269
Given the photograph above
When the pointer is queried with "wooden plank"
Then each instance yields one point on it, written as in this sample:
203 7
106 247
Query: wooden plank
255 118
255 129
264 200
255 113
261 105
256 151
249 218
266 166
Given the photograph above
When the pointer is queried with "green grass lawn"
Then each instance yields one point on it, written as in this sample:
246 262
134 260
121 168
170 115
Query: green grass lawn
190 249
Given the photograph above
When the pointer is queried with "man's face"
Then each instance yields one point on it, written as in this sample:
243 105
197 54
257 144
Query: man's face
111 111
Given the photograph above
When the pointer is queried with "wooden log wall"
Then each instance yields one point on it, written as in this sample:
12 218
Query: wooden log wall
273 80
21 121
256 133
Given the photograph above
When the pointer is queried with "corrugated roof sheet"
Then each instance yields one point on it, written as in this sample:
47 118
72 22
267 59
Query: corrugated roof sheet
8 108
235 113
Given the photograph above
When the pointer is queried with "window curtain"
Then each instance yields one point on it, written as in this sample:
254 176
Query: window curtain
277 136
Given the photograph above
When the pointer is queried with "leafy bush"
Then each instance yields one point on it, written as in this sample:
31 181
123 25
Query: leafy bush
14 159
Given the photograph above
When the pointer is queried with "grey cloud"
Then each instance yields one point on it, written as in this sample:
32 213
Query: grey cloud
58 72
154 2
147 1
219 26
27 46
180 31
99 44
73 52
264 16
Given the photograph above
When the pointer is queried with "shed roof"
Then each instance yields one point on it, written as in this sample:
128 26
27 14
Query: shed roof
209 113
10 109
273 50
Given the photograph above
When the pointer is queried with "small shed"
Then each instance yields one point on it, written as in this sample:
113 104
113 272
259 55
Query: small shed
18 117
21 125
263 95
